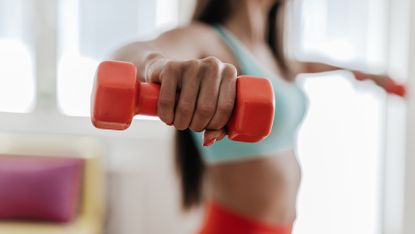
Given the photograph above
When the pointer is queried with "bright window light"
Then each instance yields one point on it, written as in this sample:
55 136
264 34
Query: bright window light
76 75
167 13
17 81
17 86
340 148
89 30
340 144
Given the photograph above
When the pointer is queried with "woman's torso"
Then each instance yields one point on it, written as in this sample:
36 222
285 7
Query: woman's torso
263 188
290 106
264 184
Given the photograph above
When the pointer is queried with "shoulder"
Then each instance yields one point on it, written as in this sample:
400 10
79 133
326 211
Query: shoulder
199 37
197 27
194 32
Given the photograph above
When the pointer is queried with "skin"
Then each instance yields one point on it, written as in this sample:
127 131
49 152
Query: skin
203 72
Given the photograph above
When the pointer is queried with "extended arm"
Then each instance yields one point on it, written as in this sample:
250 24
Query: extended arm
383 81
176 44
197 91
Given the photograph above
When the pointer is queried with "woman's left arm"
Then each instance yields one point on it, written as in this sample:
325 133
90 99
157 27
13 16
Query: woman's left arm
383 81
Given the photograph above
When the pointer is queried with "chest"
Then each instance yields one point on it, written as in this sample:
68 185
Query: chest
261 54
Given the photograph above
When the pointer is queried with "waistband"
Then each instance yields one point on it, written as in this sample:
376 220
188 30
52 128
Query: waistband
220 220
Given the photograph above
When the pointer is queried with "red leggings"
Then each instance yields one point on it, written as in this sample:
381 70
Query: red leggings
220 220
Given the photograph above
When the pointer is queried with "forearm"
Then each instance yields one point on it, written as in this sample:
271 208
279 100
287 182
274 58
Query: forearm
384 81
138 53
315 67
142 53
134 52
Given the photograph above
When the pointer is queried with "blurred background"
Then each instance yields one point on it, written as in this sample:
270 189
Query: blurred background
354 145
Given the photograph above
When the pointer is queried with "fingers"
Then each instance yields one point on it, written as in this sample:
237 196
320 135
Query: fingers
188 95
169 78
208 94
194 94
226 99
392 87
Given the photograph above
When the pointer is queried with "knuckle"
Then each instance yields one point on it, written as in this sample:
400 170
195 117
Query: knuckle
211 64
171 75
229 71
171 67
185 108
211 59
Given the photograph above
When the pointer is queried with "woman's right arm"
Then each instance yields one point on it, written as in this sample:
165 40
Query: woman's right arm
206 86
177 44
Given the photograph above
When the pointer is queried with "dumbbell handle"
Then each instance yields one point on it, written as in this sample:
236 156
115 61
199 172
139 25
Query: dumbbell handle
147 99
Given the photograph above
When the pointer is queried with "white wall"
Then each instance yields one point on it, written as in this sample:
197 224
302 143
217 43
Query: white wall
409 183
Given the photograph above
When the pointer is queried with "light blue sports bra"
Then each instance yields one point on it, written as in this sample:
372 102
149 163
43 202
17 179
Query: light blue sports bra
290 103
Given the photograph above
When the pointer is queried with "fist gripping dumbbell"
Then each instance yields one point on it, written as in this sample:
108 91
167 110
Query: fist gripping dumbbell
118 95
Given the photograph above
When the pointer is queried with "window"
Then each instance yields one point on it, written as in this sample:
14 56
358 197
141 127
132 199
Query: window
341 141
17 86
91 29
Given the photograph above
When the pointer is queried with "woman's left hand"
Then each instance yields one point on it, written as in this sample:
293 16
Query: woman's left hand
384 81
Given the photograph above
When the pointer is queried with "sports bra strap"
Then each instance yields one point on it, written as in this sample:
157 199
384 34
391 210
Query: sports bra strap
237 49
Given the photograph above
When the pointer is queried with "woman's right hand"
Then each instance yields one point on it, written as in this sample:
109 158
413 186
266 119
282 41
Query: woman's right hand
196 94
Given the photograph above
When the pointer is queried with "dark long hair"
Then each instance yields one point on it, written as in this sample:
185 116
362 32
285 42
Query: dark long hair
189 162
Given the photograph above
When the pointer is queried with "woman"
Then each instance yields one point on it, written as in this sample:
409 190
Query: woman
249 188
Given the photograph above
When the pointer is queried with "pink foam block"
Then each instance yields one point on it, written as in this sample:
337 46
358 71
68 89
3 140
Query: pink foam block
39 188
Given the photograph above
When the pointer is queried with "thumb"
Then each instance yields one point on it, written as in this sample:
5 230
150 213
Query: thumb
153 66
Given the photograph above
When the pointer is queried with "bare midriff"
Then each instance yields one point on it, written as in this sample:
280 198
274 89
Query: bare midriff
263 188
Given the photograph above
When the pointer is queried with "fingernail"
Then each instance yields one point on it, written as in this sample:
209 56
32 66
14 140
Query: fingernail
170 123
209 142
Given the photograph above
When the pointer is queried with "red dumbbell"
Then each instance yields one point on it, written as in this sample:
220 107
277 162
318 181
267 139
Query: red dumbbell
118 95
